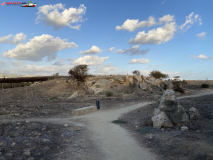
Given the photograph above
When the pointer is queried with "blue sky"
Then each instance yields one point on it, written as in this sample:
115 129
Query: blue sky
112 37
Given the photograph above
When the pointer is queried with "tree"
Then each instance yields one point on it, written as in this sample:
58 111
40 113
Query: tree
79 72
158 74
136 72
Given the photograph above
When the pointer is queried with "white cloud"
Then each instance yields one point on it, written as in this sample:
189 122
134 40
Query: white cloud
201 35
134 51
93 50
133 24
139 61
155 36
17 63
18 38
105 69
2 63
111 49
190 20
38 48
90 60
41 70
163 2
201 56
51 16
59 62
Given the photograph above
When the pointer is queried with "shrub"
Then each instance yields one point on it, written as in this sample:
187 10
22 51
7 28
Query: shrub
109 93
79 72
158 74
119 121
205 85
136 72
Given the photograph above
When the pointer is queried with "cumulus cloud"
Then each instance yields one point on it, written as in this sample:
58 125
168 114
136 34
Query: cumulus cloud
134 51
111 49
133 24
18 38
201 56
17 63
38 48
105 69
90 60
190 20
51 16
201 35
93 50
155 36
139 61
2 63
41 70
59 62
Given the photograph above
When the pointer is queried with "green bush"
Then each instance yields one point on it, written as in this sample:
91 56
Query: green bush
158 75
205 85
109 93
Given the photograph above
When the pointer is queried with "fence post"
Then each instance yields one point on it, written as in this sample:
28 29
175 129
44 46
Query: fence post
98 104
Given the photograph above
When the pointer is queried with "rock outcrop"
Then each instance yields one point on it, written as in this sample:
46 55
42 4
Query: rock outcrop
175 113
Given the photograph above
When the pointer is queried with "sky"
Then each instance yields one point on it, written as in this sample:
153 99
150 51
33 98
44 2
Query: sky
111 37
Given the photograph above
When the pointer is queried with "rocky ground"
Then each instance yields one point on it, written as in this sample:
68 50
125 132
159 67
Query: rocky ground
196 143
45 136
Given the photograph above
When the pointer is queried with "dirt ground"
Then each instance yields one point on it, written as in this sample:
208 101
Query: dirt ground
44 134
174 144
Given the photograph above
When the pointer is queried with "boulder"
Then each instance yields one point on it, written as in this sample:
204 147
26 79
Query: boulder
161 120
143 86
89 84
193 113
97 88
131 80
175 112
184 128
152 81
168 85
138 79
119 78
104 82
76 94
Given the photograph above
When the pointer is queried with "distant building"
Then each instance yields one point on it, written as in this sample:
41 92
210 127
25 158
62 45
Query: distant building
176 78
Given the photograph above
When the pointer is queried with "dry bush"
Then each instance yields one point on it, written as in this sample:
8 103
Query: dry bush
136 72
79 72
158 74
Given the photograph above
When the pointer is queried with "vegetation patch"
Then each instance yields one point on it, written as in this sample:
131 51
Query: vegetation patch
205 85
55 97
119 121
109 93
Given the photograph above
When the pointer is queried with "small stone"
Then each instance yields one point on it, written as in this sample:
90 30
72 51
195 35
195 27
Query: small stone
18 123
13 144
30 158
26 153
184 128
17 127
1 144
27 121
43 129
46 148
162 129
46 140
66 125
0 153
198 131
9 154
